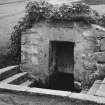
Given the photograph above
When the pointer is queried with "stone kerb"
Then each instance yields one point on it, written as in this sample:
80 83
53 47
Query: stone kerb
76 98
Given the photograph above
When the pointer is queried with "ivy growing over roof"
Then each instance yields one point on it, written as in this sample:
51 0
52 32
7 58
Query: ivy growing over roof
73 11
44 11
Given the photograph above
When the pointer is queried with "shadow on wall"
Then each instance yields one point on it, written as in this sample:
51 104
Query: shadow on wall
6 60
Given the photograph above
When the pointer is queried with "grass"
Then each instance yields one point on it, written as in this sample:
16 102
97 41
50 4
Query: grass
94 2
10 14
99 8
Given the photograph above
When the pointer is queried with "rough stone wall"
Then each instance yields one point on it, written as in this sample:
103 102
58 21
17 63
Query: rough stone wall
89 55
93 60
35 48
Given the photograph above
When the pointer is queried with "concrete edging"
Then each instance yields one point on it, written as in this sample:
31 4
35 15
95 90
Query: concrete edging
9 88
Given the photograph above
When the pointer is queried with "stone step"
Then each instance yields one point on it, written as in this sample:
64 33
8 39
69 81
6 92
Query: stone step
84 91
101 91
27 83
16 79
8 71
94 87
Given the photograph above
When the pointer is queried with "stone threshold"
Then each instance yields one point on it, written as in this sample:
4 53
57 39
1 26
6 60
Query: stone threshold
23 90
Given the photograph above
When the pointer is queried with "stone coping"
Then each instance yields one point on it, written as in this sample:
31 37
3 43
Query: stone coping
8 68
16 89
98 27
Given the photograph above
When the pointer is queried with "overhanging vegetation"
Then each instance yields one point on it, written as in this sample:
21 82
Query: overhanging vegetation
44 11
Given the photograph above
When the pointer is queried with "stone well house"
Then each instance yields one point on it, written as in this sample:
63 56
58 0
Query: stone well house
73 49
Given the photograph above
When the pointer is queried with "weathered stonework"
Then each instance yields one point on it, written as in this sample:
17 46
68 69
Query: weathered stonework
103 44
35 49
21 95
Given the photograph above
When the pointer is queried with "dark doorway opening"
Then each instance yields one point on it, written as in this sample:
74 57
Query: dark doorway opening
61 65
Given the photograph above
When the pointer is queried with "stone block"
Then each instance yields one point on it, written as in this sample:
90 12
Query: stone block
34 41
85 97
89 65
31 69
22 56
23 48
29 49
34 36
54 93
99 57
33 50
25 57
103 44
87 33
91 57
10 87
94 87
101 68
101 91
34 60
24 39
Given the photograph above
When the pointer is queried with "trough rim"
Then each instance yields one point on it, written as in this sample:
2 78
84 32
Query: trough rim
23 90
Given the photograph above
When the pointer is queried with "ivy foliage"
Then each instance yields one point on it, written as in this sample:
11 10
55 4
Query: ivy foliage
44 11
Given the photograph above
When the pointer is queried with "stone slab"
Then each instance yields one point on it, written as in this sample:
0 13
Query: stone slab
8 71
7 68
98 27
85 97
99 56
49 92
14 77
46 96
26 83
102 44
33 91
9 87
103 80
101 90
34 60
94 87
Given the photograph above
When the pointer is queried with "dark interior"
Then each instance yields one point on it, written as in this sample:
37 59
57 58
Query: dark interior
61 65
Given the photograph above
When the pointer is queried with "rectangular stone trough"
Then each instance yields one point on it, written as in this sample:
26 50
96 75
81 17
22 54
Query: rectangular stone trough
39 96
